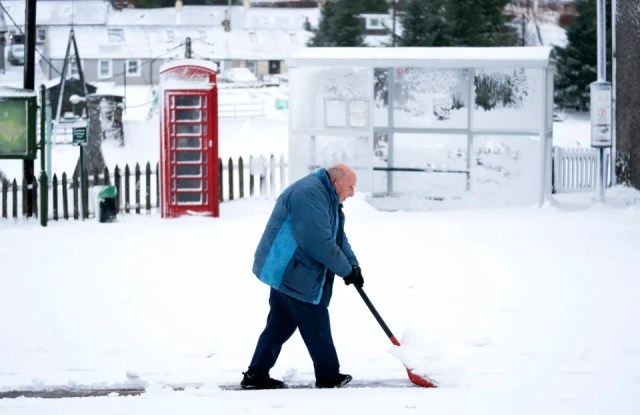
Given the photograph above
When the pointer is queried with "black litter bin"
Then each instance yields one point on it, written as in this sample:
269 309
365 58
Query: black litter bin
107 199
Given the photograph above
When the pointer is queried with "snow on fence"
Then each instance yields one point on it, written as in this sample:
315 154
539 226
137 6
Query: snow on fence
575 169
138 190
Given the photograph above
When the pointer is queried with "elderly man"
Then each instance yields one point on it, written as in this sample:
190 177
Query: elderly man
301 250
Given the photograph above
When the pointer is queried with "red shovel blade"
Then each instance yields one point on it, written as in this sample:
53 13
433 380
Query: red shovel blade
422 381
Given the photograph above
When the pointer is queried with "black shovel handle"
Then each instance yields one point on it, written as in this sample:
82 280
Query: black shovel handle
375 313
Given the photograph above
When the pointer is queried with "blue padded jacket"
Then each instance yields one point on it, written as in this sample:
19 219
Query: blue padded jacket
298 253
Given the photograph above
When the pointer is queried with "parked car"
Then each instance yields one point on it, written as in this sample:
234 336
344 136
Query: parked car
16 54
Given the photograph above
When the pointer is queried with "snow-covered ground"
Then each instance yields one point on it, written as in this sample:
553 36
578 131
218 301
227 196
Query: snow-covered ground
526 311
514 311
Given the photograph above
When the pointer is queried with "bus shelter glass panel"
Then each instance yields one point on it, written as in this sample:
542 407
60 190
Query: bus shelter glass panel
381 97
549 99
332 98
508 99
507 168
424 98
329 150
423 164
355 151
189 170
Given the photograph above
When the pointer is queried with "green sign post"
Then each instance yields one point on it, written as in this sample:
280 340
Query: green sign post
79 138
79 135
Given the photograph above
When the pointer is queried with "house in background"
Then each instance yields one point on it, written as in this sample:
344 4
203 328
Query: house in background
72 86
129 45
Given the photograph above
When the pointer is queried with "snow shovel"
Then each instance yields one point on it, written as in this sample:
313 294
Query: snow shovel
423 381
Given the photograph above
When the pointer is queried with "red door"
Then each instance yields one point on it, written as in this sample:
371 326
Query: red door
190 154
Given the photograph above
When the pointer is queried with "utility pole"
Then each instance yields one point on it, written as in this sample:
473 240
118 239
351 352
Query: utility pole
612 158
187 51
601 102
393 23
29 83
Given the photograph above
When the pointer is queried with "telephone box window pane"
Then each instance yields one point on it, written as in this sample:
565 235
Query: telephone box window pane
204 129
188 101
189 198
204 114
206 198
188 128
189 184
204 101
188 142
188 156
188 115
205 186
189 170
204 156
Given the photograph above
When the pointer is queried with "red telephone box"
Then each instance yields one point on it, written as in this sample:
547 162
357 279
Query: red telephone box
189 148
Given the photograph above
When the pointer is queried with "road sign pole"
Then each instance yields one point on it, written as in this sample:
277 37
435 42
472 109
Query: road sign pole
79 134
601 135
601 128
602 174
82 181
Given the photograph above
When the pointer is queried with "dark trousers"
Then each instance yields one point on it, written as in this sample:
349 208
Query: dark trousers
285 316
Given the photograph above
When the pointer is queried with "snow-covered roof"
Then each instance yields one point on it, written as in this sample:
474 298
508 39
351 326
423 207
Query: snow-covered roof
138 42
86 12
450 57
8 91
94 42
212 16
168 16
100 12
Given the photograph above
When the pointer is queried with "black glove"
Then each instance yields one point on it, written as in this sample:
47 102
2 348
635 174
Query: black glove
355 277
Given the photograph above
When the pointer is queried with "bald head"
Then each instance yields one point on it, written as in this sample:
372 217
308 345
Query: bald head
344 180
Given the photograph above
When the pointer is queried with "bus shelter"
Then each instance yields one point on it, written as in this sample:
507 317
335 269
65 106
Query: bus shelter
430 123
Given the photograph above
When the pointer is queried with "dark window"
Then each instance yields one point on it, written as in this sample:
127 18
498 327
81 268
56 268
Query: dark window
274 67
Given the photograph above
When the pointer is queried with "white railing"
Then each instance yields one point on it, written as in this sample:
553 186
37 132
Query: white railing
576 169
241 109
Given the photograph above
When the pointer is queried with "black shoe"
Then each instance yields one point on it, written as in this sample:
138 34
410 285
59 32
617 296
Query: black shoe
254 381
336 381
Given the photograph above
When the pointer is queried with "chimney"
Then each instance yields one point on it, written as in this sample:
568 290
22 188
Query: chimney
226 23
178 11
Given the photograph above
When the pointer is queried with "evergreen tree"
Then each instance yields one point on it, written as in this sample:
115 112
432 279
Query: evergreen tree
466 22
480 23
371 6
424 24
339 25
497 29
577 62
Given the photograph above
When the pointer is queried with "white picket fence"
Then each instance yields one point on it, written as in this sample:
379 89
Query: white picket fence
249 109
576 169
